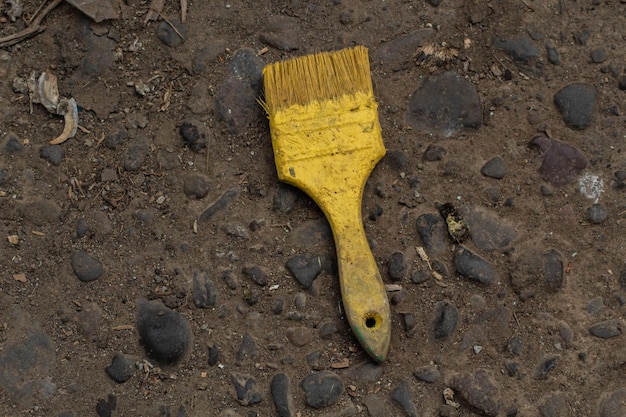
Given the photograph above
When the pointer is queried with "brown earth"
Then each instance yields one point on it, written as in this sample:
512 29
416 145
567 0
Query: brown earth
59 334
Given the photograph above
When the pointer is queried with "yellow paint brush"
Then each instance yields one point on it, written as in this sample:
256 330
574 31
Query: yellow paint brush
327 139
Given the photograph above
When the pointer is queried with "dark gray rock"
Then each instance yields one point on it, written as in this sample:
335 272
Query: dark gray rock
622 83
235 229
613 404
526 273
256 274
312 233
546 365
285 198
597 214
322 389
204 290
488 230
122 368
52 153
247 351
432 232
515 345
105 408
477 389
397 53
114 140
86 267
281 394
445 104
170 34
473 266
427 373
196 186
553 54
375 405
164 333
494 168
512 367
11 144
553 271
281 32
577 104
4 174
434 153
396 159
402 396
300 301
562 163
445 319
608 328
397 266
366 372
213 355
307 267
299 336
555 406
408 322
327 329
598 55
224 201
194 135
247 391
595 305
520 49
136 153
420 276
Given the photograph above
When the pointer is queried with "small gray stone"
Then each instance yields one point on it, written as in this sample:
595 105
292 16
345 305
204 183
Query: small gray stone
122 368
445 319
402 396
608 328
170 32
546 365
434 153
512 367
553 273
105 408
322 389
515 345
473 266
11 143
246 389
595 305
576 103
299 336
553 55
598 56
196 186
281 394
164 333
307 267
494 168
555 406
420 276
520 49
52 153
562 163
136 153
204 290
235 229
213 355
257 274
113 140
477 389
86 267
89 320
427 373
247 350
285 198
432 232
222 203
366 372
597 214
328 328
194 135
397 266
489 231
40 212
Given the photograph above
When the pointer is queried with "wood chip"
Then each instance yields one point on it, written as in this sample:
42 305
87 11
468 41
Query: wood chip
37 233
183 11
340 365
423 256
123 327
13 239
20 277
393 287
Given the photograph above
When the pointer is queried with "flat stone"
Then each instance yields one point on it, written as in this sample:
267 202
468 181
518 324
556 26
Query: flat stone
555 406
256 274
608 328
546 365
281 32
299 336
247 391
136 153
488 230
171 36
327 329
164 333
401 395
312 233
520 49
598 55
613 404
40 212
247 351
86 267
494 168
213 355
397 266
553 271
562 163
281 394
285 198
194 135
473 267
577 103
322 389
196 186
235 229
306 268
596 213
204 290
477 389
122 368
224 201
375 405
397 53
89 320
445 104
445 319
432 232
366 372
427 373
52 153
553 55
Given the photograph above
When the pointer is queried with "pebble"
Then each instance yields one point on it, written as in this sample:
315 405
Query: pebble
477 389
515 345
322 389
235 229
512 367
86 267
299 336
278 306
145 216
399 51
566 333
194 135
171 36
553 273
204 290
555 406
52 153
164 333
196 186
546 365
300 301
613 404
577 103
247 350
595 305
208 54
445 104
473 266
553 54
432 232
285 198
328 328
113 140
89 320
402 396
489 231
598 56
237 94
223 202
427 373
434 153
420 276
105 408
367 372
608 328
281 32
445 319
375 405
622 83
122 368
398 297
597 214
246 389
281 394
562 163
256 274
11 143
136 153
396 159
40 212
397 266
307 267
520 49
494 168
213 355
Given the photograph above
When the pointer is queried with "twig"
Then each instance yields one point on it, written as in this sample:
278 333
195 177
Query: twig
43 3
172 26
183 11
33 28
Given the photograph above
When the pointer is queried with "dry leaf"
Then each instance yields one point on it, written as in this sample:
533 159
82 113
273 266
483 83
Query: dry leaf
20 277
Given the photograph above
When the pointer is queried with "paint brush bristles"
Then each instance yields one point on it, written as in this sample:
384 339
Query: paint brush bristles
320 77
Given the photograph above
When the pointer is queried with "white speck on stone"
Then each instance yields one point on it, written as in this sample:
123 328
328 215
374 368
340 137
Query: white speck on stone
160 200
591 186
274 287
477 349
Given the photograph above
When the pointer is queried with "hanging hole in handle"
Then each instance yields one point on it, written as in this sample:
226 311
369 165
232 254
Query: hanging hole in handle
373 320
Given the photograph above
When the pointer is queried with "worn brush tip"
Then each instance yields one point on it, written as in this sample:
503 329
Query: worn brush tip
318 77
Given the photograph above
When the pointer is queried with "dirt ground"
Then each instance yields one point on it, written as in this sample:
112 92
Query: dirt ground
138 215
